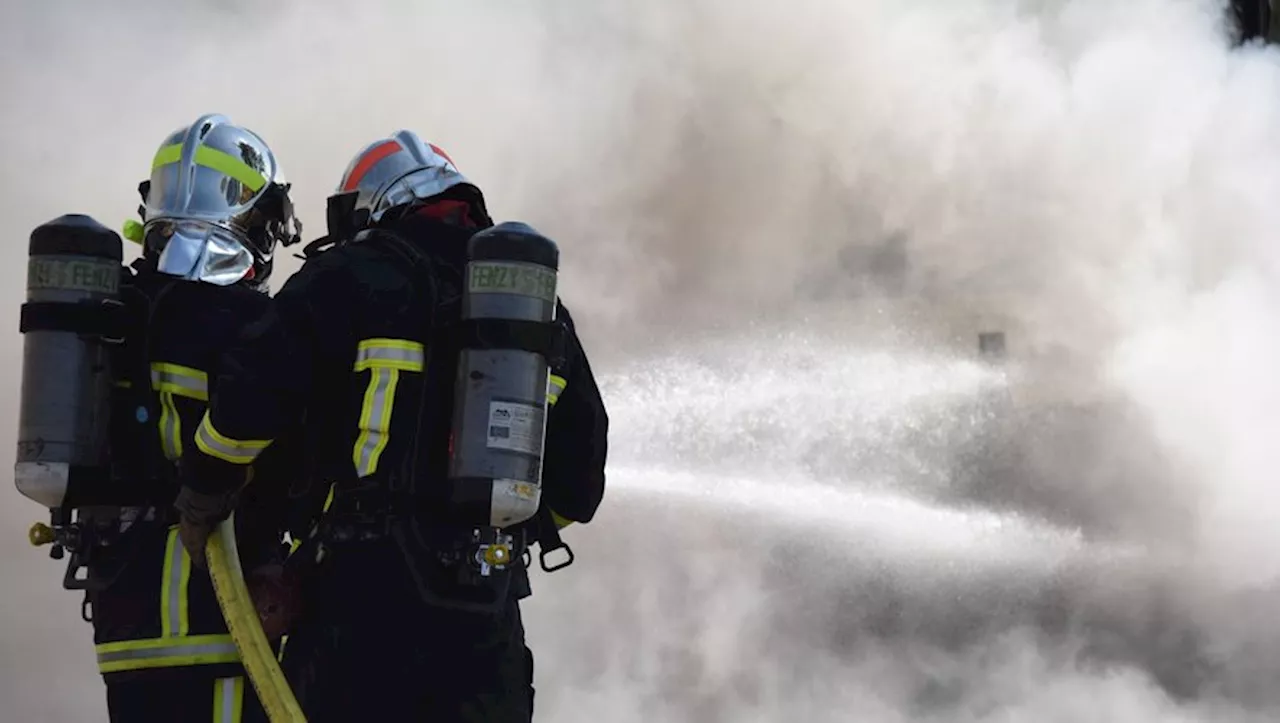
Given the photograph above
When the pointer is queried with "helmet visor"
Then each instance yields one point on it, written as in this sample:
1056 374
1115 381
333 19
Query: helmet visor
417 185
198 251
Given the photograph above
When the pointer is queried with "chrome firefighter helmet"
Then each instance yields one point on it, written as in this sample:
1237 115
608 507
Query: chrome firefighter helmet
394 173
216 205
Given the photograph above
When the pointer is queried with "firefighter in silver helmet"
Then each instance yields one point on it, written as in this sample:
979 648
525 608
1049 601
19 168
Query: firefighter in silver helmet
214 209
411 611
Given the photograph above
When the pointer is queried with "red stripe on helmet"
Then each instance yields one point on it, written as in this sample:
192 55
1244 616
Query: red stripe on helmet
375 154
444 155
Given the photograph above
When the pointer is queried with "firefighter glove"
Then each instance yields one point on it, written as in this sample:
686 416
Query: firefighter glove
199 514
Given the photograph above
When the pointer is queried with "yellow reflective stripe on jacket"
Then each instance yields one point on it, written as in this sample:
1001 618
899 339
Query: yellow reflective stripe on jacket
180 381
170 427
236 451
175 380
228 700
384 359
173 588
328 499
555 387
400 354
375 420
166 653
216 160
175 647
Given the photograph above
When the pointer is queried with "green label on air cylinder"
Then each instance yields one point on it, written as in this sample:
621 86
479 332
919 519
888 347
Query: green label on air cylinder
71 273
497 277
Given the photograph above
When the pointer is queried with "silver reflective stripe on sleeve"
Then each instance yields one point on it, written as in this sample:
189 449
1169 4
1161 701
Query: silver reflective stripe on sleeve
384 359
170 427
215 444
180 381
175 380
399 354
375 420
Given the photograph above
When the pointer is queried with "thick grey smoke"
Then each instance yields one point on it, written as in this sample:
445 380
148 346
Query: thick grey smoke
780 221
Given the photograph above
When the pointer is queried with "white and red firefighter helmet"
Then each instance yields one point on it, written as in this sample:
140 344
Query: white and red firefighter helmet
399 171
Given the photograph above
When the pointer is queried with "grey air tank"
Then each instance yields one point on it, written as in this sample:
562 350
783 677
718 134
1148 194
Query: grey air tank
500 393
73 278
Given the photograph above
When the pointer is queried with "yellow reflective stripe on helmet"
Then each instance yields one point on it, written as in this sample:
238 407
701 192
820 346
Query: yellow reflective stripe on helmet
216 160
166 653
180 381
384 359
555 387
215 444
400 354
228 700
375 420
173 587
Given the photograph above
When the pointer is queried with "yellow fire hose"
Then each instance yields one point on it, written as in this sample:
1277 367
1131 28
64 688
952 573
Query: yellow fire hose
246 629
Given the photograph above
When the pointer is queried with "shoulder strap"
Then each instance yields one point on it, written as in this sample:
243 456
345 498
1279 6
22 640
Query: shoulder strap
153 468
547 536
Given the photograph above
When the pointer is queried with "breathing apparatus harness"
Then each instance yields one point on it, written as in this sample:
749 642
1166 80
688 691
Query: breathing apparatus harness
457 557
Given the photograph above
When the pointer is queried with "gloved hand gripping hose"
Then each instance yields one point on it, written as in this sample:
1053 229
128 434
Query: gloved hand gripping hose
246 630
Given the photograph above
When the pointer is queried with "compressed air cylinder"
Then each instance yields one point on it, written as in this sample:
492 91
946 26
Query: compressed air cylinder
73 276
500 394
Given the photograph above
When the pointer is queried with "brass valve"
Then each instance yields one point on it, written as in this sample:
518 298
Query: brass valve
497 555
40 534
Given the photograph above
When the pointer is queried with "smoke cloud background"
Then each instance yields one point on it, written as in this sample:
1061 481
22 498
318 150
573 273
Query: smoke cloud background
1099 177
